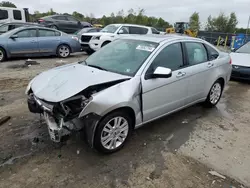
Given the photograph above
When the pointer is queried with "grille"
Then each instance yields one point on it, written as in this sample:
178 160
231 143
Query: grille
86 38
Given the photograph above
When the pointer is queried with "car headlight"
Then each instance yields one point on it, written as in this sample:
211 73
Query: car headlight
96 38
75 38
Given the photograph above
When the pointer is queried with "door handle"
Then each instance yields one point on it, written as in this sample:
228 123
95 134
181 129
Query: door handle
210 65
180 74
33 41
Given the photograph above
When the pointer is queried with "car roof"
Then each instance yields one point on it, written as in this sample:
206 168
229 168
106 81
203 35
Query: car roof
160 38
26 23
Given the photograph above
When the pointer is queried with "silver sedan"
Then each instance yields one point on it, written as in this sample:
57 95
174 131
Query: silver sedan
131 81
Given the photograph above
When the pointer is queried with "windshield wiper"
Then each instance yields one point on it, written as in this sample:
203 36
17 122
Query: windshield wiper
98 67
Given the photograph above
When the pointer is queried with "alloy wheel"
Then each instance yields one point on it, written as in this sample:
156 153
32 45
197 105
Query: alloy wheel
114 133
215 93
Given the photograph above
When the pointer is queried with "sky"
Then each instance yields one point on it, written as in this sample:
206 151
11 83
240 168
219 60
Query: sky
172 11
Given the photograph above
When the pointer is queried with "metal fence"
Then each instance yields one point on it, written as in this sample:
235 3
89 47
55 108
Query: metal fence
218 38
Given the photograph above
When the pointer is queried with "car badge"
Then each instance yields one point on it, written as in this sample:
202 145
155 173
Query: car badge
236 67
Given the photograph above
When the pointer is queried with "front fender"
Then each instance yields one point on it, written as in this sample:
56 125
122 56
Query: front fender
125 94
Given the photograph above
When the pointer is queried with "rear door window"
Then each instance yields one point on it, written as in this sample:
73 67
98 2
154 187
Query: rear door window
4 14
138 30
60 18
17 14
46 33
196 53
212 53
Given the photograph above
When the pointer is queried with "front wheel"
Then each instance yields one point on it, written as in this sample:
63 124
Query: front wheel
112 132
2 55
63 51
214 94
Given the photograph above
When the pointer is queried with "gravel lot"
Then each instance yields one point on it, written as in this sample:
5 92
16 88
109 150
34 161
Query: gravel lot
176 151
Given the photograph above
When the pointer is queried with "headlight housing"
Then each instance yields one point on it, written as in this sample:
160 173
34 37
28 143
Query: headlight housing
75 38
96 37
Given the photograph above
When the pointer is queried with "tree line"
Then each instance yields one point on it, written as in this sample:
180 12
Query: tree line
221 23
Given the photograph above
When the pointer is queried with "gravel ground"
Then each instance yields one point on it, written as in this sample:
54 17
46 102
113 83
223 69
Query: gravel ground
175 151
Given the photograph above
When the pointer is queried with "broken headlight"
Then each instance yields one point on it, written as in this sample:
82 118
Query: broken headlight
71 107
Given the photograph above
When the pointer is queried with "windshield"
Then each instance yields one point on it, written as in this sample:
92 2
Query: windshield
110 28
244 49
123 56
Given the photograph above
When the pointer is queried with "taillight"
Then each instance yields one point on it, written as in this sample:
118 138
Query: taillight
41 20
230 62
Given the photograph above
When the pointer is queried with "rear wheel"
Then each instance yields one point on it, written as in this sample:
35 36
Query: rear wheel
63 51
2 55
214 94
112 132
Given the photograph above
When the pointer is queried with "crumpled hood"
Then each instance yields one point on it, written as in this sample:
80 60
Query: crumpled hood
60 83
240 59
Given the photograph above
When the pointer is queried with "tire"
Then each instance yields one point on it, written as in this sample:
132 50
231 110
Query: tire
63 51
105 43
110 134
214 94
90 51
2 55
54 27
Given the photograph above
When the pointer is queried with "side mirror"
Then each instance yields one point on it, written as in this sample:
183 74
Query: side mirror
160 72
120 31
14 37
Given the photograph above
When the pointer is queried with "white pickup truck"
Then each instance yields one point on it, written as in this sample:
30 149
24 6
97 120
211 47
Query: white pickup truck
91 42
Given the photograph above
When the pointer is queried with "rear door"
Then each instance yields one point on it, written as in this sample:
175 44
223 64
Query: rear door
198 70
73 24
48 40
61 22
26 43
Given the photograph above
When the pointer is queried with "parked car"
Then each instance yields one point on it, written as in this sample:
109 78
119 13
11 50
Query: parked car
13 25
79 33
241 62
36 41
126 84
64 23
8 14
92 42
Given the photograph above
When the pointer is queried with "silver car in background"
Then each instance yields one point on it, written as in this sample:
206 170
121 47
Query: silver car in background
131 81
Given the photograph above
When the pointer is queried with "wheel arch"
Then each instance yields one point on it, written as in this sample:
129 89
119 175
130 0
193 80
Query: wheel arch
106 41
222 81
5 51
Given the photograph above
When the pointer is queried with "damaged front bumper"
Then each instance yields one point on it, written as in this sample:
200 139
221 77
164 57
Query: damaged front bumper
58 127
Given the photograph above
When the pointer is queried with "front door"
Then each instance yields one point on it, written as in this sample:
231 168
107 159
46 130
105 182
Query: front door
164 95
25 43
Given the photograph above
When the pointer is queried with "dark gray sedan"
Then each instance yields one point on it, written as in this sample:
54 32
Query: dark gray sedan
37 41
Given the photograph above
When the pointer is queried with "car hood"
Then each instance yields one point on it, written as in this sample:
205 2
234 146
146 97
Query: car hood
63 82
240 59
